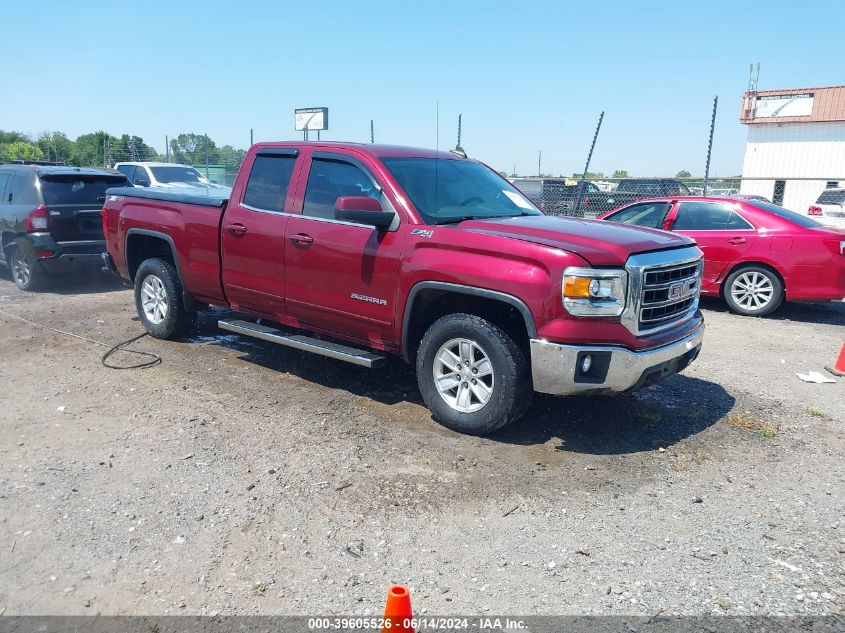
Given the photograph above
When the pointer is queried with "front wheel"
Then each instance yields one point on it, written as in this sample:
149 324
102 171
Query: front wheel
753 291
472 376
158 298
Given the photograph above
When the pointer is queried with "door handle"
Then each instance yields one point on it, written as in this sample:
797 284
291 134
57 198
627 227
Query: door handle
737 240
236 229
302 239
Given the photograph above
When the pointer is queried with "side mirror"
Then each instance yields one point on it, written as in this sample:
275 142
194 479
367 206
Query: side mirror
142 182
362 210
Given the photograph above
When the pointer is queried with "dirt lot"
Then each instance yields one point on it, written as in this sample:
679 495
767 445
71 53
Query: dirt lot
241 478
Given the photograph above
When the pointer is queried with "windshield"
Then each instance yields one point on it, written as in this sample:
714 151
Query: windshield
177 174
832 196
786 214
445 190
75 189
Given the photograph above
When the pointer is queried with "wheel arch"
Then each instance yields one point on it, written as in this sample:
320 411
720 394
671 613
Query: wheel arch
750 264
141 244
429 300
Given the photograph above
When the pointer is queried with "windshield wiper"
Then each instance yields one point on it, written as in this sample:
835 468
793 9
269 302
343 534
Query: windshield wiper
462 218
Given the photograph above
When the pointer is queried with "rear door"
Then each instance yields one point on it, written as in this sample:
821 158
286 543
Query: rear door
722 234
74 203
252 237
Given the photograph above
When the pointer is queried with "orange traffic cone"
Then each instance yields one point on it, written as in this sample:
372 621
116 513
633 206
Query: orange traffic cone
398 611
839 368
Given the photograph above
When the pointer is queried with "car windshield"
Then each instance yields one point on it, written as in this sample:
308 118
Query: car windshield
786 214
446 190
74 189
176 174
832 196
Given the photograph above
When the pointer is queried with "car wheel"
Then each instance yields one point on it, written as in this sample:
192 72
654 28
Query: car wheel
753 291
472 376
158 298
26 274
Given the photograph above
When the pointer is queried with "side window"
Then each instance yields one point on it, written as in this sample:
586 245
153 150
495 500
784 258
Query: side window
4 198
738 223
128 171
141 174
329 180
268 182
703 216
21 189
650 214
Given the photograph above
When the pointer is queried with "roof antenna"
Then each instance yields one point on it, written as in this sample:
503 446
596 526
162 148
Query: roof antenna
459 151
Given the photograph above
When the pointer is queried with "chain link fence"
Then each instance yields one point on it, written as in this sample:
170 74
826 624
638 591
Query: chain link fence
595 196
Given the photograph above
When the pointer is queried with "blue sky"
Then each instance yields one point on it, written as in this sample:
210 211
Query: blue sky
526 76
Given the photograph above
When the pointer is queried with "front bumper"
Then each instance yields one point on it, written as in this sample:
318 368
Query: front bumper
557 368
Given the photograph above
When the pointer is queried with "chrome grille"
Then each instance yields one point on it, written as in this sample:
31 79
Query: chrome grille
669 293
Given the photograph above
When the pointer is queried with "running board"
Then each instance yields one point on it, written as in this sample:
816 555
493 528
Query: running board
352 355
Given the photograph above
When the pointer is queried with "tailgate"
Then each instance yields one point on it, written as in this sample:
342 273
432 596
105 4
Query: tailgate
74 204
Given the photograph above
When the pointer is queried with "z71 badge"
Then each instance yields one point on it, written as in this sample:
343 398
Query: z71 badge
422 232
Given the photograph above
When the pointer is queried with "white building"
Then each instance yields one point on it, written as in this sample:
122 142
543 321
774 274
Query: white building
796 144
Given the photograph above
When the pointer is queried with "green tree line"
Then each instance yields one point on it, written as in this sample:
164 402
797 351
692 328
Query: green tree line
101 149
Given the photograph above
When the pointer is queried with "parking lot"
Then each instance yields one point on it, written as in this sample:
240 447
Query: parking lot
237 477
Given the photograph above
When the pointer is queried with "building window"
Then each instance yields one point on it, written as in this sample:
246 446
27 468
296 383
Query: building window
780 188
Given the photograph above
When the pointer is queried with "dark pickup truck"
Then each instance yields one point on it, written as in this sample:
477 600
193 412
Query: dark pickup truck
357 251
594 203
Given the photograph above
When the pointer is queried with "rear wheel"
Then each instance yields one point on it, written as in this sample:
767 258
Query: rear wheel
158 298
28 275
753 291
472 376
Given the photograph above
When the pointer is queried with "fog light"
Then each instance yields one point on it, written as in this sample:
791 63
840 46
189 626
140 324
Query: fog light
586 363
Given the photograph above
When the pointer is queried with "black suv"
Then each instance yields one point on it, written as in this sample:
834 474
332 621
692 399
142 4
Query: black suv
50 219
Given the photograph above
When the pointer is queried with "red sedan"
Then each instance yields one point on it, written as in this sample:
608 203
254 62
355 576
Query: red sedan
756 254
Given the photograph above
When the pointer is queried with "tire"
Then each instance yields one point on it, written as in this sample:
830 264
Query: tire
753 291
158 299
27 275
507 385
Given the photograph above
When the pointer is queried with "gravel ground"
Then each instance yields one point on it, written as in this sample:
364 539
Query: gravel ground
240 478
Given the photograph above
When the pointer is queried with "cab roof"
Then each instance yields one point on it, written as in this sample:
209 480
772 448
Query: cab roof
374 149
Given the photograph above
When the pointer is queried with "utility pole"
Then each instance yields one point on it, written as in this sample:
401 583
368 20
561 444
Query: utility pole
251 142
372 133
166 149
458 146
206 155
539 163
710 144
580 190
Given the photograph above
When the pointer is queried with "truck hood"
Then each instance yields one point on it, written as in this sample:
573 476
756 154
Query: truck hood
600 243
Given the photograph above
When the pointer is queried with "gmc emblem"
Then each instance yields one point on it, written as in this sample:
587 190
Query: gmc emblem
683 289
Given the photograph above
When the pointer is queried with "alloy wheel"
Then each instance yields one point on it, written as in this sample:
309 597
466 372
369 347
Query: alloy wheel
463 375
752 291
21 271
154 299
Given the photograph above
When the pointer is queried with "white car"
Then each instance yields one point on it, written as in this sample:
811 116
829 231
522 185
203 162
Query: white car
166 176
829 209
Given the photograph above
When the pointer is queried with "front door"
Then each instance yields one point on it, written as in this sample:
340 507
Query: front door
720 232
252 238
341 277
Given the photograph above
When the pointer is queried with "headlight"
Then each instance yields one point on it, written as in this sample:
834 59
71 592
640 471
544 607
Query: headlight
594 292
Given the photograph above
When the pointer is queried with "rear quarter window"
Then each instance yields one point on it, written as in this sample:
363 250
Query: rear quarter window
785 214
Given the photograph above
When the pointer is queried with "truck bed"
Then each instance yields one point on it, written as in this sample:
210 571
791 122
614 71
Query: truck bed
189 222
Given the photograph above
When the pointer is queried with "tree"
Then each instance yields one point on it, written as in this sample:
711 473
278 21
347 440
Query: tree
683 174
56 146
194 149
20 150
132 148
590 174
93 150
230 157
13 137
620 173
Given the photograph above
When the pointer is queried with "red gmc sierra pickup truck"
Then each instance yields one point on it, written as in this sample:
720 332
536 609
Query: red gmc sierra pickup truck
356 251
